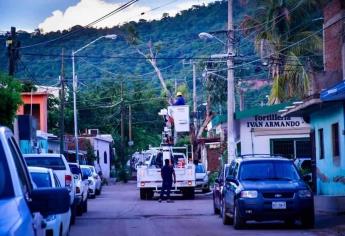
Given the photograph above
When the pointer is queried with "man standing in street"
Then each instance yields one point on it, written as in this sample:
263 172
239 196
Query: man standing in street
168 174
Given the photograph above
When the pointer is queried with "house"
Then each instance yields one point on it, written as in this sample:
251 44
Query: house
324 110
102 144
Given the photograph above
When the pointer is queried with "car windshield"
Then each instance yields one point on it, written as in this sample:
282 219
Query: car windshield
42 180
55 163
199 169
74 169
6 189
86 171
268 170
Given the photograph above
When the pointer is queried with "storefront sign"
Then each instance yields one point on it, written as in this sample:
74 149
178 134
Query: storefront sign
273 121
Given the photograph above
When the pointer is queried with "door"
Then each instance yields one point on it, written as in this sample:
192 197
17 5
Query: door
232 188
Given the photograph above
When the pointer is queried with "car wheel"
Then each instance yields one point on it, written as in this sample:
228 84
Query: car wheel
225 218
238 220
60 230
85 206
290 222
216 210
73 214
308 220
188 193
149 194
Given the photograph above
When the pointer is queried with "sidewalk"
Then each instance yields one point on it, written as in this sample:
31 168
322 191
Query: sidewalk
330 224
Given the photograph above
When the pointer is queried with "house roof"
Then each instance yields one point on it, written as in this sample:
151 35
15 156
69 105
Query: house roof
261 110
334 93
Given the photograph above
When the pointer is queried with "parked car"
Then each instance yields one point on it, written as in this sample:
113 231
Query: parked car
218 189
97 179
266 188
56 224
201 178
87 175
81 188
58 163
21 205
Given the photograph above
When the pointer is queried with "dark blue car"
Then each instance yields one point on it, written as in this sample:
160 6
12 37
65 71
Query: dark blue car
264 188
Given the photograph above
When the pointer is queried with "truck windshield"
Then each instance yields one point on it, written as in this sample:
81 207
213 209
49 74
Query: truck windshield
6 188
268 170
42 180
55 163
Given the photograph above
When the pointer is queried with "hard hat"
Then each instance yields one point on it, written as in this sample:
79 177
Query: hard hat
178 94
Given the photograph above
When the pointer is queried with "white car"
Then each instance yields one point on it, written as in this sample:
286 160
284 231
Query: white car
57 224
201 178
87 175
58 163
97 179
81 188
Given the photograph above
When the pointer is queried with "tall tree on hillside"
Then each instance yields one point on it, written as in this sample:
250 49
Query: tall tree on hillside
9 99
150 54
285 32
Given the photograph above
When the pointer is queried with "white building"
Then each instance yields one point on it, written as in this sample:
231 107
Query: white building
102 145
263 131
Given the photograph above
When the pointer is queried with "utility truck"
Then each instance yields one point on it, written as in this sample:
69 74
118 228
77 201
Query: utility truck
149 180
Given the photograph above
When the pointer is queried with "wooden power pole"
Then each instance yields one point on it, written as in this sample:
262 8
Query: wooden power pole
122 126
12 50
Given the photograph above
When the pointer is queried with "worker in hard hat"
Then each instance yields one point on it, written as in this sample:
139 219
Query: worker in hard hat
179 99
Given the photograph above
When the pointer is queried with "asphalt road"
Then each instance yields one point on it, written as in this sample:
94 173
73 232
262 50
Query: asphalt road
119 211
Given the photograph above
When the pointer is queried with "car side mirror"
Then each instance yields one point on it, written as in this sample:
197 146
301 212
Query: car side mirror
50 201
306 178
230 179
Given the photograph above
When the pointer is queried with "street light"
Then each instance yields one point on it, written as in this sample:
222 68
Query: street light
206 36
75 84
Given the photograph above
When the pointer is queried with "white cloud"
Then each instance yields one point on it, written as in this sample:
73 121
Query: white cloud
87 11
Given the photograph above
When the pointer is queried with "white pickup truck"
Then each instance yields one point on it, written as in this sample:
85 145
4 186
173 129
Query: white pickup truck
149 178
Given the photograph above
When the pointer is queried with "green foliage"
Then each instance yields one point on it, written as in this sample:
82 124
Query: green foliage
182 141
90 153
53 114
10 99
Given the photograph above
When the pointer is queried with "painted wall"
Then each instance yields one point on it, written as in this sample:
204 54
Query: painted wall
330 178
102 148
256 132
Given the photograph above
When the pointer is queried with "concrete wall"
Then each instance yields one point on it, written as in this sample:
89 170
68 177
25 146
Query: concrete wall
102 148
330 178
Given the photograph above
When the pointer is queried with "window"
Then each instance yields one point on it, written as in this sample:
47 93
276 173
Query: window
291 148
20 166
105 157
322 150
335 144
55 163
6 188
42 180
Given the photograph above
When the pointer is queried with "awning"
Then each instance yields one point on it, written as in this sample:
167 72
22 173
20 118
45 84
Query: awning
335 93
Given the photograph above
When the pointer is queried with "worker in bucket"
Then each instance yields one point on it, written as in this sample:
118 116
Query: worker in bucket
168 175
179 99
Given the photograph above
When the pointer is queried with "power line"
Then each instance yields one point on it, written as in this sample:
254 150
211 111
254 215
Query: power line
122 7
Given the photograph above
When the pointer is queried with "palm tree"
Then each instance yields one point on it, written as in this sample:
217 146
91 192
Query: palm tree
285 35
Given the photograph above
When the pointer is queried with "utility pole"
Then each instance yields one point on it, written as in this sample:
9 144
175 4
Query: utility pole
122 125
194 98
130 142
62 104
12 51
230 83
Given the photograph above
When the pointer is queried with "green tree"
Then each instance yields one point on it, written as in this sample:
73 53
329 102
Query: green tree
9 99
280 29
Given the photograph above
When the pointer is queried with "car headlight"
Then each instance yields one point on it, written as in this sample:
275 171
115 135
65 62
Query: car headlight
50 218
304 193
249 194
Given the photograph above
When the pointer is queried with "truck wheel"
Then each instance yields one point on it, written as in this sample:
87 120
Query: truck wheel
188 193
143 194
149 194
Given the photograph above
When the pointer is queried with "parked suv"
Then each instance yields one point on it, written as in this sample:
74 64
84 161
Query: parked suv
81 188
58 163
264 188
21 204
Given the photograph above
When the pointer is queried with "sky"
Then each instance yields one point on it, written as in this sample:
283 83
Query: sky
53 15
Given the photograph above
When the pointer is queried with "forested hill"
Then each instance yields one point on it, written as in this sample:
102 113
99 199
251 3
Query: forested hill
177 38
